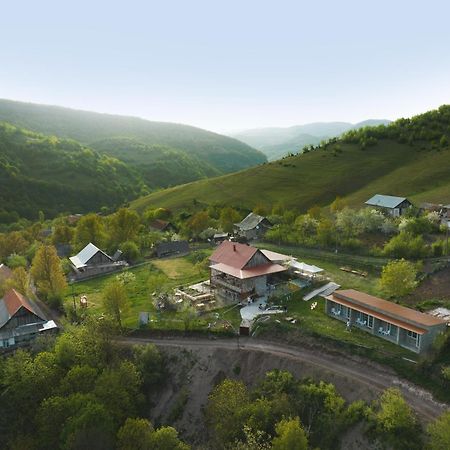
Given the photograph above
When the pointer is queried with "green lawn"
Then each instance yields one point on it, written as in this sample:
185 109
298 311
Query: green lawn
316 323
332 266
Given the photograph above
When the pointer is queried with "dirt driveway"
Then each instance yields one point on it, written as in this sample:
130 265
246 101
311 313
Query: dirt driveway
353 378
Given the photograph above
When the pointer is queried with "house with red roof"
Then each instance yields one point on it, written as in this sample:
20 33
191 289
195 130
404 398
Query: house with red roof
239 271
21 320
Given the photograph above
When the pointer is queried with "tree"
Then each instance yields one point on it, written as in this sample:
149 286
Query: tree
151 366
62 234
130 250
228 217
290 436
13 242
405 245
119 390
135 434
398 278
48 274
338 204
14 260
396 422
115 300
439 432
90 228
198 222
19 281
225 405
124 226
166 438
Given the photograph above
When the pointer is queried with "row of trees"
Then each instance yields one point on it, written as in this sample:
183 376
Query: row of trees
343 227
82 389
282 412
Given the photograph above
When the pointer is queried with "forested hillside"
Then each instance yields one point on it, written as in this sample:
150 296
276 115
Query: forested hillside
42 173
165 153
278 142
409 157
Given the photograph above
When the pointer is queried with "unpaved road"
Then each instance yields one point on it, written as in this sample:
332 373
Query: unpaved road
372 376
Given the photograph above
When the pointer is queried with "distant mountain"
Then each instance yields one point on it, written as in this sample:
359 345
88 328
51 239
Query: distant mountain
165 154
408 158
45 173
278 142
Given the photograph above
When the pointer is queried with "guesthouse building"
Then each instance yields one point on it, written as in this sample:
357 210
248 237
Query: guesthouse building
402 326
239 271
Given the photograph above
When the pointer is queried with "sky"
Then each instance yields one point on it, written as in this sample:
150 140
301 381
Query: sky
229 65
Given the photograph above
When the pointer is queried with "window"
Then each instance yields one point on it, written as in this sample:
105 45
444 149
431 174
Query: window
414 336
365 320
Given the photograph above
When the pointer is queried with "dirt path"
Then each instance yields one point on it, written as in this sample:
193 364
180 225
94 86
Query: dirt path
366 374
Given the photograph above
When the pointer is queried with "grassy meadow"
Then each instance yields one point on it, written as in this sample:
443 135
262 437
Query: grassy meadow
316 178
174 272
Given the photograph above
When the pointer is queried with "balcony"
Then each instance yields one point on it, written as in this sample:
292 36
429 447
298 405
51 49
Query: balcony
226 283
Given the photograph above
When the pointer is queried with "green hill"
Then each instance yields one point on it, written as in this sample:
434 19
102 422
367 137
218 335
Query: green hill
410 157
165 153
276 143
42 173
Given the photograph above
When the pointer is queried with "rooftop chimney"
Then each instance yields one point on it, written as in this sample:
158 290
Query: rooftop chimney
234 247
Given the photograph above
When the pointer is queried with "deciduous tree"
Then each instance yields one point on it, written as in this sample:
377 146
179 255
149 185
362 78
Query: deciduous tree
439 432
398 278
290 436
115 300
48 274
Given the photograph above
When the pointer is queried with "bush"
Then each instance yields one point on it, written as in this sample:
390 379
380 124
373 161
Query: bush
130 250
405 245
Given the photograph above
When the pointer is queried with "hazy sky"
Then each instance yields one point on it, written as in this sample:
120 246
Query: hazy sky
229 64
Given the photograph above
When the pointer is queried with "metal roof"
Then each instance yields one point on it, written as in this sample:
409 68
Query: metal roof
385 201
233 254
276 257
12 302
303 267
250 222
242 274
81 259
390 309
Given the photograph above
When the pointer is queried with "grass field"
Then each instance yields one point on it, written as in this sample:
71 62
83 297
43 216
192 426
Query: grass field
176 272
332 266
316 178
316 323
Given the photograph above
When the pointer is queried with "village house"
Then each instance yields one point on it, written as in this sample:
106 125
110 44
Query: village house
239 271
252 227
403 326
162 226
172 248
21 320
394 206
92 261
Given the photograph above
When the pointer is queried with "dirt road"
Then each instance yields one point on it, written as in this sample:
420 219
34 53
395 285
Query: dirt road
372 376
